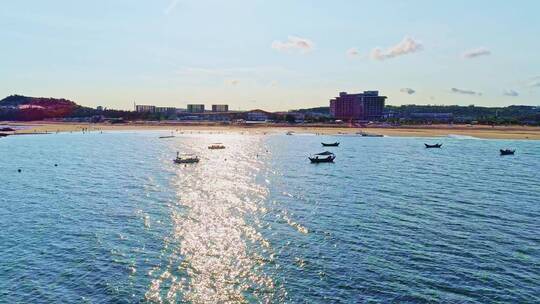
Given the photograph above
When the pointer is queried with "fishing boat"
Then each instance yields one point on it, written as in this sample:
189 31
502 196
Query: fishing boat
364 134
328 157
186 158
507 152
336 144
216 146
289 133
167 136
433 146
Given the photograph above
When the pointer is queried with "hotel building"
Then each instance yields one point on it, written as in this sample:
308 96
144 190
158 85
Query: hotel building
361 106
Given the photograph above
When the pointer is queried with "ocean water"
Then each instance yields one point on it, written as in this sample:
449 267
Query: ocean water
115 221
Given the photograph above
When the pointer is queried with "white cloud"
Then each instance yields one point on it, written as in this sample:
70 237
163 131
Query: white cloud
530 83
407 46
534 82
407 91
303 45
511 93
172 5
353 52
476 53
466 92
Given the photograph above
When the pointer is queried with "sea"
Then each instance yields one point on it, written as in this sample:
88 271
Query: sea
109 218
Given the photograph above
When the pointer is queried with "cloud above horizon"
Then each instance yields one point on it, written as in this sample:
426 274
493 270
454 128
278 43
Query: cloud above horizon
510 93
474 53
293 43
407 46
465 92
534 82
407 91
172 5
353 52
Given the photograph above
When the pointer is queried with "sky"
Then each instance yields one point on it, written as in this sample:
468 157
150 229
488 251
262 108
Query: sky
274 54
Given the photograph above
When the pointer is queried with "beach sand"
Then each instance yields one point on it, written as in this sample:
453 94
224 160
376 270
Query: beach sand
497 132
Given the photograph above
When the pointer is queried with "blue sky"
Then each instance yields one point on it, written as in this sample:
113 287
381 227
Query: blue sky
274 55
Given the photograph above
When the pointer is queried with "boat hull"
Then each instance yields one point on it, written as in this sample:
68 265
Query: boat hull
186 161
322 160
507 152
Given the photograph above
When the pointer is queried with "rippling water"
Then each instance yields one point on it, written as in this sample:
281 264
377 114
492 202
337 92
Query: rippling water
117 222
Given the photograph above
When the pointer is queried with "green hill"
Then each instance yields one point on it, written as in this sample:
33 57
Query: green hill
17 107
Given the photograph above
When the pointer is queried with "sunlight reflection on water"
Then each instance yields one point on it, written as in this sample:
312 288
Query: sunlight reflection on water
219 254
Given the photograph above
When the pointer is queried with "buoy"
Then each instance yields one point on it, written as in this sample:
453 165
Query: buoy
56 165
19 170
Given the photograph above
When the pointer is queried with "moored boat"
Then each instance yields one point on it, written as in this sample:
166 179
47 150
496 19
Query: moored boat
364 134
216 146
507 152
186 158
168 136
328 157
336 144
433 146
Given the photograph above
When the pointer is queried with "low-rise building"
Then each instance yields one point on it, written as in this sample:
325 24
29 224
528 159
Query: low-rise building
167 110
195 108
257 115
220 108
145 109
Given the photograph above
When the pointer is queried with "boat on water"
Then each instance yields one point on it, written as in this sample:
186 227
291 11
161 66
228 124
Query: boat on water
168 136
364 134
186 158
428 146
507 152
323 157
336 144
289 133
216 146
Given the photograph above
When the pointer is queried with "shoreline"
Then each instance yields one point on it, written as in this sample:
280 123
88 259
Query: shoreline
479 131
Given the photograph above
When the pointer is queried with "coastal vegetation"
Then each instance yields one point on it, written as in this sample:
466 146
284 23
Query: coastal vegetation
411 114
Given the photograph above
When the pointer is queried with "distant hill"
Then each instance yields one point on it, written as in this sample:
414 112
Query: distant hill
17 100
17 107
24 108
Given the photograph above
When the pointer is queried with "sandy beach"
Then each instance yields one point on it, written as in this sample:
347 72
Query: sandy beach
497 132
